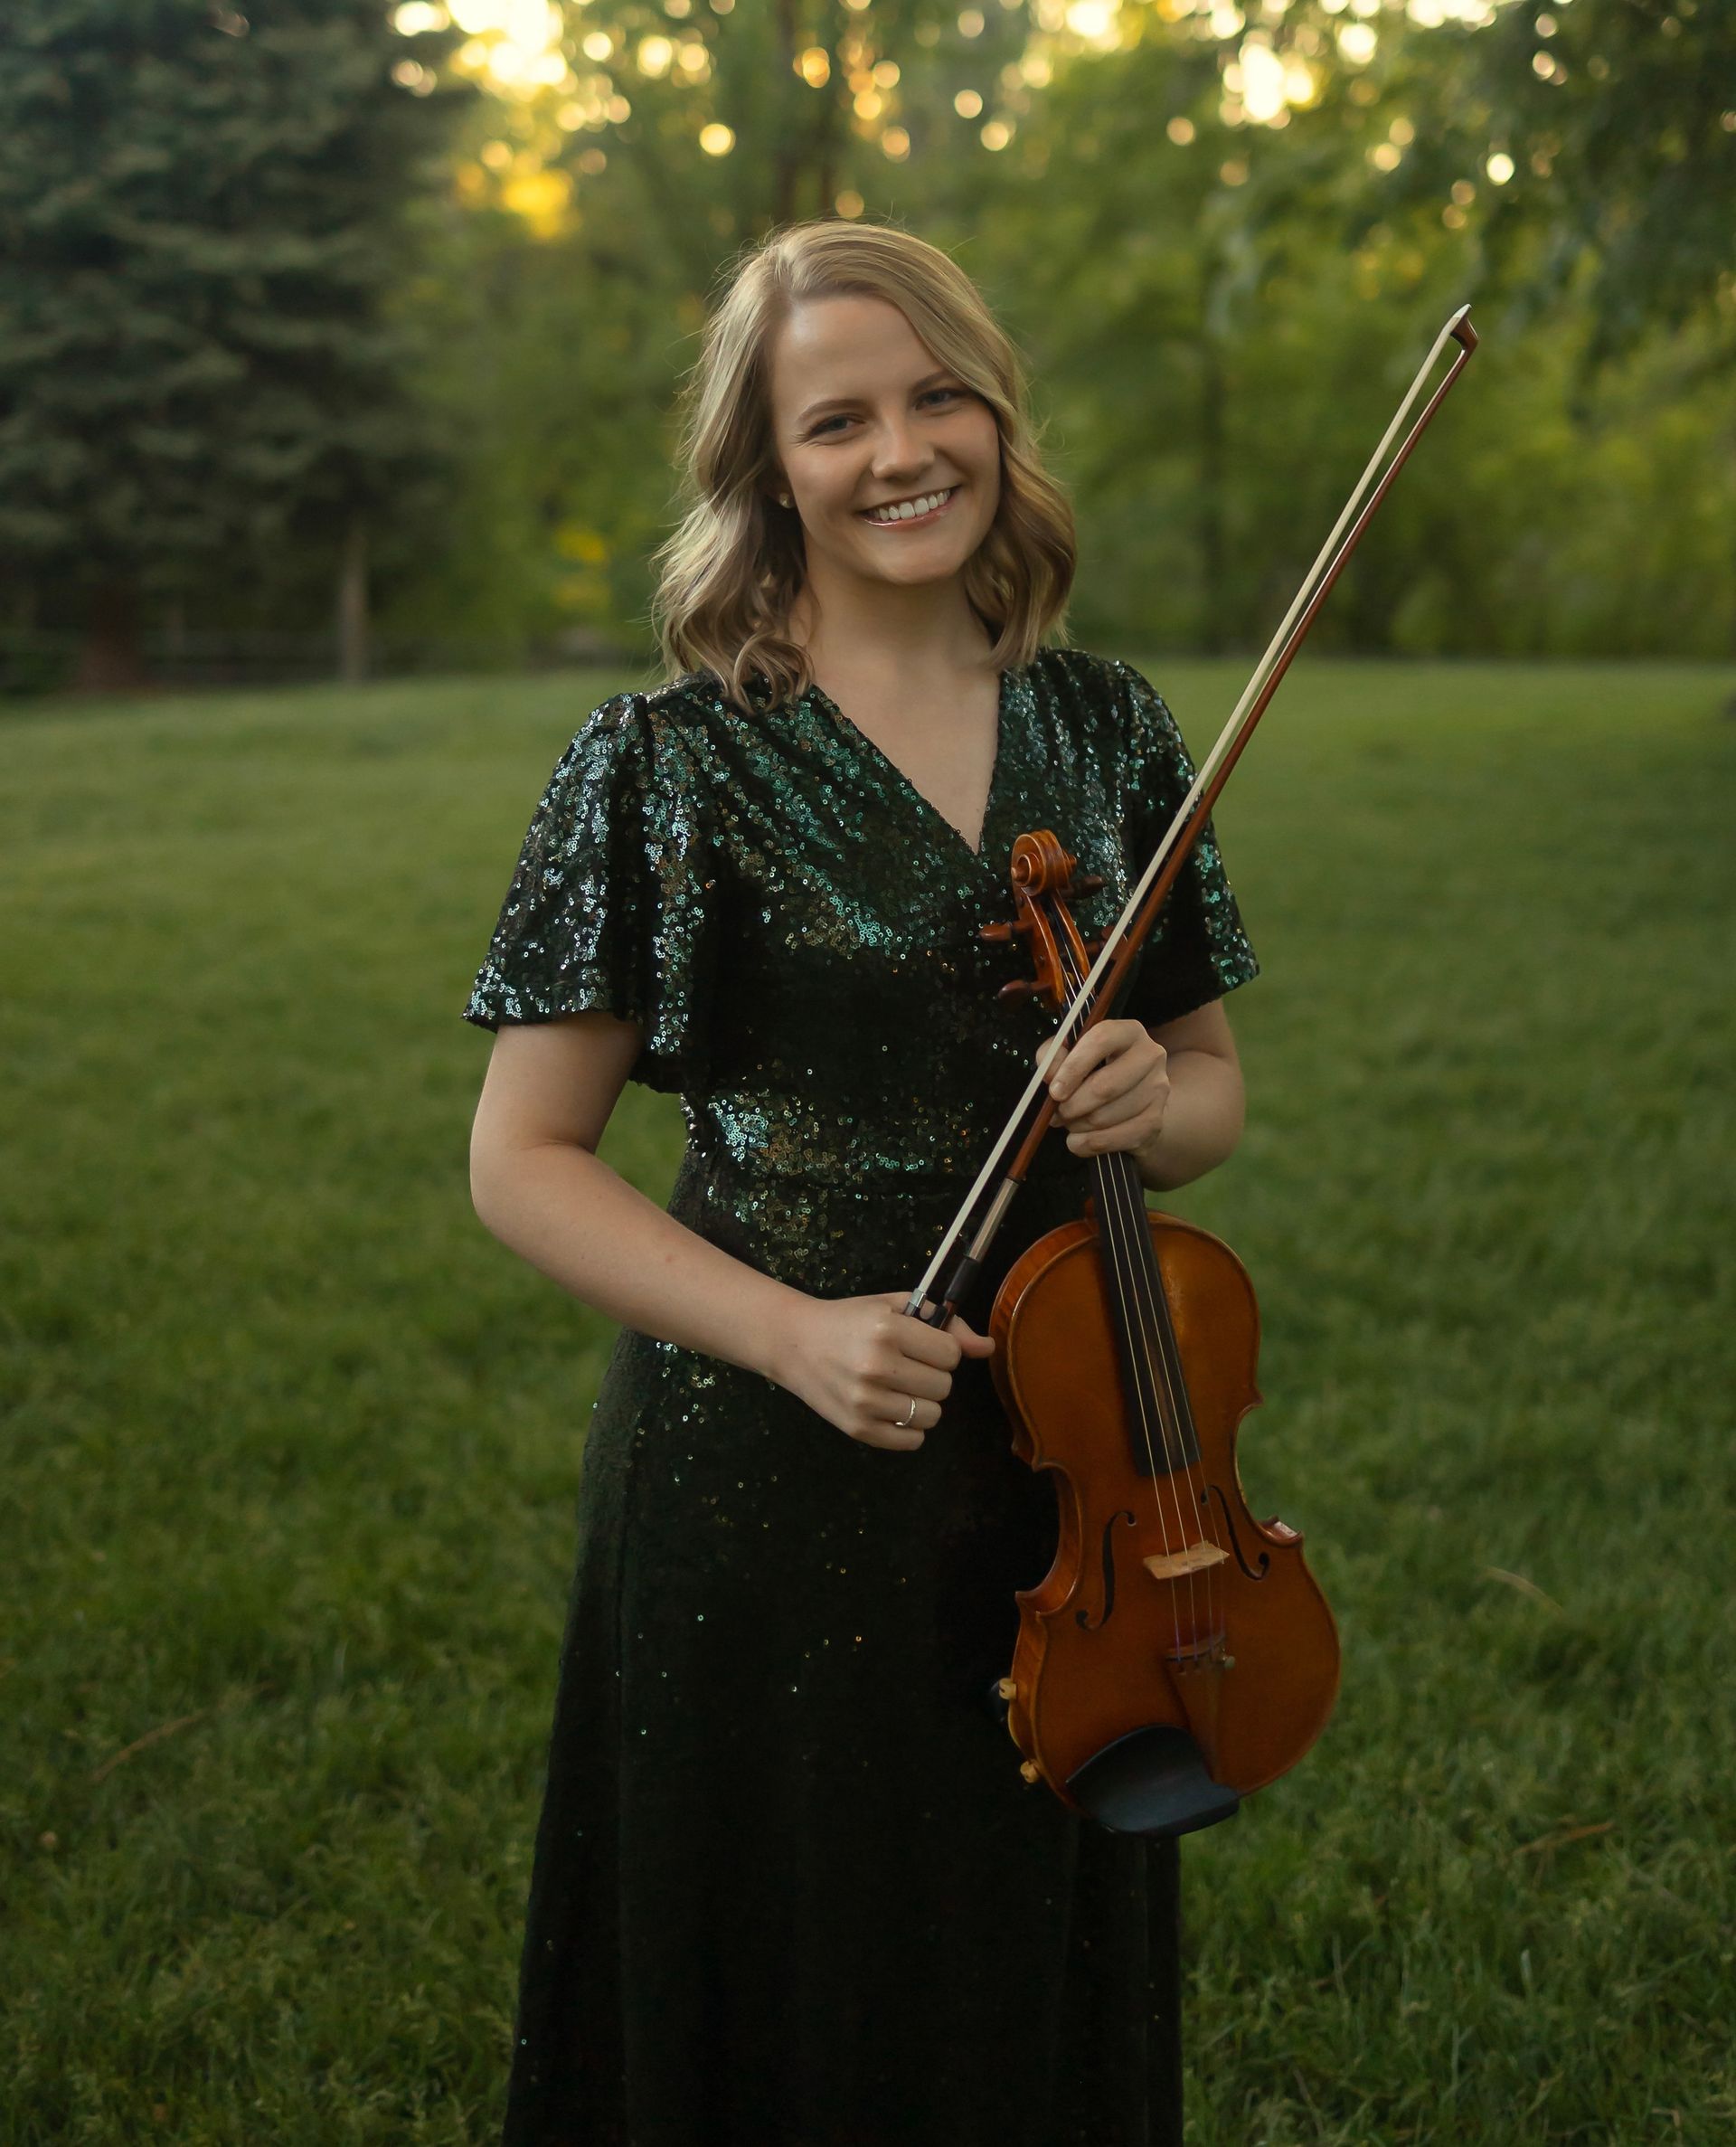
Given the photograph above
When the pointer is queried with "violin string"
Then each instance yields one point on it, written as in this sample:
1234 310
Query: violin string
1117 1202
1117 1175
1161 1343
1113 1193
1148 1273
1128 1205
1113 1222
1175 1371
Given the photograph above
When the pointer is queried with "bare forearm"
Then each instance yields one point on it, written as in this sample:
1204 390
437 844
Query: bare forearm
565 1211
1201 1123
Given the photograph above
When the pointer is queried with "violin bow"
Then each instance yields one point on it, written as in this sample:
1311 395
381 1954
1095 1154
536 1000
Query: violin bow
1096 992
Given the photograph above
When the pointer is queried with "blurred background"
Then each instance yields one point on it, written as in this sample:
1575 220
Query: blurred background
338 351
344 341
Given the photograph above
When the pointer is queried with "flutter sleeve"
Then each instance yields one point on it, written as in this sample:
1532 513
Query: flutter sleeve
613 904
1198 951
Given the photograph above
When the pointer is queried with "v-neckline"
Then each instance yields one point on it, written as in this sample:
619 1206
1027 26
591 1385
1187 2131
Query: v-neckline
1003 701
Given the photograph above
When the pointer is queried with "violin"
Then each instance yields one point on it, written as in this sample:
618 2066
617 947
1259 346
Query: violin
1178 1654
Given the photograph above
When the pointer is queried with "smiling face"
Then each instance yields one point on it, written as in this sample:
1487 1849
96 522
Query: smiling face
865 418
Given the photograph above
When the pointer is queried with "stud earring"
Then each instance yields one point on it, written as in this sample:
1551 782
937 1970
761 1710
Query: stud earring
783 499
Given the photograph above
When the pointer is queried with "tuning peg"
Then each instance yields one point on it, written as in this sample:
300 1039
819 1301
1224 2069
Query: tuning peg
1019 989
1089 885
996 932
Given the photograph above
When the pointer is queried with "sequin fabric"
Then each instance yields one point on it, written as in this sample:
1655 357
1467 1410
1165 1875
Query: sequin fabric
788 1884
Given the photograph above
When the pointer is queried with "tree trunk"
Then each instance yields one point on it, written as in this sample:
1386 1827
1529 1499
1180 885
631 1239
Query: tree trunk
352 605
111 660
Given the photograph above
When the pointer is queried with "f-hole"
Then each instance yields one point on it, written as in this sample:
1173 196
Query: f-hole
1086 1621
1254 1573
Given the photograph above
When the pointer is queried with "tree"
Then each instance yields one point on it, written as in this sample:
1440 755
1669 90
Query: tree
202 221
1612 124
1225 244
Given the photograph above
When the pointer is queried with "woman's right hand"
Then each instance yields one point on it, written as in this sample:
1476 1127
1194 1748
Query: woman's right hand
860 1362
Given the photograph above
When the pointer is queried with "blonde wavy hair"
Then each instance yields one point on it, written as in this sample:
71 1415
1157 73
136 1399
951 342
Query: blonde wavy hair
727 577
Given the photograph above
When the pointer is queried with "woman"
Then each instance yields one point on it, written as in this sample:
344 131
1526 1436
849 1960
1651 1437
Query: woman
790 1886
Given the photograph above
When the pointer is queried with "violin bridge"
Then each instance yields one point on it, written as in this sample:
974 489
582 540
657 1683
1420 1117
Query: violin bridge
1174 1565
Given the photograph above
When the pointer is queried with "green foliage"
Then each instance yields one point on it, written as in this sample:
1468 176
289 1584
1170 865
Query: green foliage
211 365
1618 117
292 1444
1223 328
202 219
551 367
1219 327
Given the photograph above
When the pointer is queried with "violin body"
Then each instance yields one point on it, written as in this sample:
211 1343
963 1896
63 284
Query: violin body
1171 1617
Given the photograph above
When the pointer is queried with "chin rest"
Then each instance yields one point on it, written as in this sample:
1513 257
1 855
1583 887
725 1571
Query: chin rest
1152 1781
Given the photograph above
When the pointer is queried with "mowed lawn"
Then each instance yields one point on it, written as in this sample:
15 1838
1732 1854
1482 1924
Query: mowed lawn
291 1444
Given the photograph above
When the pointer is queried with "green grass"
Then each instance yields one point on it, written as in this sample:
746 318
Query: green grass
292 1444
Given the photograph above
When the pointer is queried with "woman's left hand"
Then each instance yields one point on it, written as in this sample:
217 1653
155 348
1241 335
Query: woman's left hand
1111 1089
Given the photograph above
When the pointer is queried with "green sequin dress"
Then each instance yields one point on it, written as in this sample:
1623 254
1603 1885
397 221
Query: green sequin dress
790 1889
